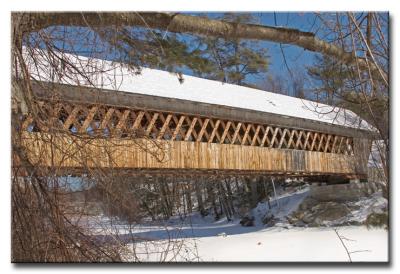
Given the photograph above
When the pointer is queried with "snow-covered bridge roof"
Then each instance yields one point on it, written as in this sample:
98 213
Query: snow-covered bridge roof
109 75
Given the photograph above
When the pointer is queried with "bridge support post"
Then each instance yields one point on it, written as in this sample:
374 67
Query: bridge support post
273 185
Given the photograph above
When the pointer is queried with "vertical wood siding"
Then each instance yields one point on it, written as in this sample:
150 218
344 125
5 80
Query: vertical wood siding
69 151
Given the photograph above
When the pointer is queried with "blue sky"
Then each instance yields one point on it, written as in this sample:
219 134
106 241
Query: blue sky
294 55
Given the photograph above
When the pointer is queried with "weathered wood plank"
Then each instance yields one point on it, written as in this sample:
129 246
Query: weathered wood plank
74 152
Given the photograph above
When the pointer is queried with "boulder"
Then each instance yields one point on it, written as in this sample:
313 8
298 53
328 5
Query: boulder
308 218
247 221
268 218
332 211
308 203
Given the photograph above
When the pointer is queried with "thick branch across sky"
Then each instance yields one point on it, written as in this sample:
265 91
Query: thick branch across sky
197 25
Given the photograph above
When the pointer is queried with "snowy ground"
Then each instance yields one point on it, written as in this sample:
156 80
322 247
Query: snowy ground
307 244
231 242
202 239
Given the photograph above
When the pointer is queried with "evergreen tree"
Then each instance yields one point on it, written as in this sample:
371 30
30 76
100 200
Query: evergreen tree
233 59
338 85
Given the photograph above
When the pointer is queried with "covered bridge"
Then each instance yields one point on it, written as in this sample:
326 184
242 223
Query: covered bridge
156 121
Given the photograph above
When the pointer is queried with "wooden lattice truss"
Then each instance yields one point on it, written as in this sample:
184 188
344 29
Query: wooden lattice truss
102 121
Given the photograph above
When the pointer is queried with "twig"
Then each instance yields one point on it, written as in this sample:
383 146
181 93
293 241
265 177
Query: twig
344 246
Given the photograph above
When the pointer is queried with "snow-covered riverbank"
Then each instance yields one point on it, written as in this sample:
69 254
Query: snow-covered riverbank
202 239
297 245
273 245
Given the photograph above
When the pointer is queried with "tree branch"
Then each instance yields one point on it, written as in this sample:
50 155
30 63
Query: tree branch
182 23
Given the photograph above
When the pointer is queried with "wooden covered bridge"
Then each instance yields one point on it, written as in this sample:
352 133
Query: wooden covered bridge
160 122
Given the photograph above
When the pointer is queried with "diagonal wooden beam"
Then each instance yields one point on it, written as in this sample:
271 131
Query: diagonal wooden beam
298 136
203 129
162 119
255 137
151 124
334 144
122 120
188 133
229 135
316 135
239 137
265 137
236 133
164 127
215 131
327 143
194 133
178 126
320 142
138 121
291 138
283 140
107 117
71 117
179 122
306 145
149 119
277 129
246 135
88 120
225 131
